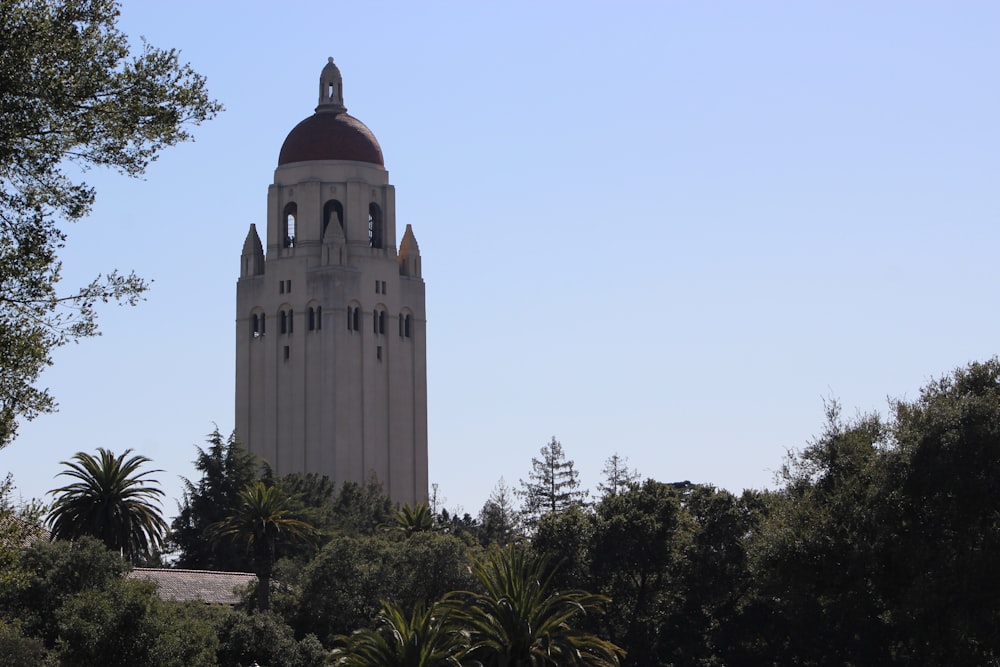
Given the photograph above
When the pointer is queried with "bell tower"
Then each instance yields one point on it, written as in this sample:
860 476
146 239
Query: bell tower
331 356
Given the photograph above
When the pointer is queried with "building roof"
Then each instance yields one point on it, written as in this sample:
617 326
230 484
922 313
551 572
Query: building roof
204 585
16 533
328 135
331 133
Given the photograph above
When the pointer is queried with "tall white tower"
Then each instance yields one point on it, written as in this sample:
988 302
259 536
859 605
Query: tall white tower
331 356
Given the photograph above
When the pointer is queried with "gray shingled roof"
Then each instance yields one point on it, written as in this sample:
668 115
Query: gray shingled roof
183 585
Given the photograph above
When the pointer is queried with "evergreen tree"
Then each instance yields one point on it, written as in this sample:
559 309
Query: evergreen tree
226 469
552 485
498 520
617 476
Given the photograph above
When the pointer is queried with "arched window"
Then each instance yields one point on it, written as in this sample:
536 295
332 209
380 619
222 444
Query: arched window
315 318
283 318
333 210
353 318
254 325
288 223
374 225
378 321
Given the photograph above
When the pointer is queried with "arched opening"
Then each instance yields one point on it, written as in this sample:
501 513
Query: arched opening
288 224
330 209
353 318
374 225
254 326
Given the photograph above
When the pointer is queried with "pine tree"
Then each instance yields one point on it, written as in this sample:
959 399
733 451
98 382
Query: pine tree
617 476
552 485
498 519
226 469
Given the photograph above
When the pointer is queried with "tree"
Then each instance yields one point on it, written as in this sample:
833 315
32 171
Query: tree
263 638
639 539
617 476
74 95
552 484
260 522
498 520
360 509
226 469
111 502
423 639
943 539
52 572
340 590
521 620
125 624
824 555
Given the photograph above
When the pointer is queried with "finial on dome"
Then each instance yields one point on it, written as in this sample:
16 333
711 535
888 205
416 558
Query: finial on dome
331 89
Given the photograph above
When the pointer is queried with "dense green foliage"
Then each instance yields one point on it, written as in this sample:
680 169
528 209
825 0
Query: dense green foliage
74 96
226 469
877 548
112 501
262 519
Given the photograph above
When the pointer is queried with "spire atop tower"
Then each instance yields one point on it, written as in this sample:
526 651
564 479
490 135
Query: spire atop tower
331 89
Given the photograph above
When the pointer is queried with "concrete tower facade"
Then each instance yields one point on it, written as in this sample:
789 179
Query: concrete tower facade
331 357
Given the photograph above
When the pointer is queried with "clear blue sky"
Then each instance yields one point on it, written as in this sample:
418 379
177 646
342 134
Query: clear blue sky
667 230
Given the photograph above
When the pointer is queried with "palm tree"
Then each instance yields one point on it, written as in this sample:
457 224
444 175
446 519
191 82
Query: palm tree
262 519
110 502
425 639
520 621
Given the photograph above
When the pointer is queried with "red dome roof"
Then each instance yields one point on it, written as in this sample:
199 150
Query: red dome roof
327 135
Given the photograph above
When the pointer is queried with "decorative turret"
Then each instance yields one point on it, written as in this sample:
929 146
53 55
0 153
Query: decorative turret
331 89
252 259
409 254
